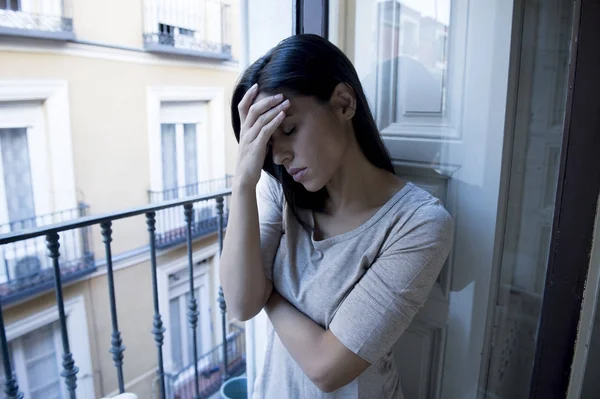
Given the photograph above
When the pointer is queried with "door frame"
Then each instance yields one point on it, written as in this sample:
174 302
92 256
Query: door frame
575 211
576 200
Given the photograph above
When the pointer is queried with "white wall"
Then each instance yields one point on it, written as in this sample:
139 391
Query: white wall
269 22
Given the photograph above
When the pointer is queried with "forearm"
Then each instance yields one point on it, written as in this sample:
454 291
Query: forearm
322 357
241 270
301 336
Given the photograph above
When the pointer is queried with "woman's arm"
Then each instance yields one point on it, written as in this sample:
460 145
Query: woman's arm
245 285
322 357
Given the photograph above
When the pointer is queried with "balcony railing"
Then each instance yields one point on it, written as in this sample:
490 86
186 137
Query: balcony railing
53 236
188 27
25 269
172 224
182 384
49 19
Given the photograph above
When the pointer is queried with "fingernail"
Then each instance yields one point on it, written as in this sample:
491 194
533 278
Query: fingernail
279 97
254 86
285 103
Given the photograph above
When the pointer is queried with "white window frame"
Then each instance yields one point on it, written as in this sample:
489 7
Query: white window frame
165 293
54 95
21 369
79 342
180 114
179 291
43 107
31 117
214 97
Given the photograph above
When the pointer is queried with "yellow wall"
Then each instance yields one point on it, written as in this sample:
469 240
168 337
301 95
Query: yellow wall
108 108
108 114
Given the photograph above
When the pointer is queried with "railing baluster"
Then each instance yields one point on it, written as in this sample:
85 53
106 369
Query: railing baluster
157 329
69 369
192 305
11 387
117 347
221 299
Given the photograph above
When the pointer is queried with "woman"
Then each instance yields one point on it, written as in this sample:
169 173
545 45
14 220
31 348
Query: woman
339 251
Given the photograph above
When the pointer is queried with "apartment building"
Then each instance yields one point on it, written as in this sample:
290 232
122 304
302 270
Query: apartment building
107 107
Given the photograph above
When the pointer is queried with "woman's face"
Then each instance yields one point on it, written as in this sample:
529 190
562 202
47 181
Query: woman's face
310 143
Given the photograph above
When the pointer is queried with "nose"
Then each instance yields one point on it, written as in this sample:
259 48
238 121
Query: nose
281 150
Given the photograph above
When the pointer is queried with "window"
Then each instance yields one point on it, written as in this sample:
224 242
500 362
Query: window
18 189
182 354
179 158
36 359
184 148
13 5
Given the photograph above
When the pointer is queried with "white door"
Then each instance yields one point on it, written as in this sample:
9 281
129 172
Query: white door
436 74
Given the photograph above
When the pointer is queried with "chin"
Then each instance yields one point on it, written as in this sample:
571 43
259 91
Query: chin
312 187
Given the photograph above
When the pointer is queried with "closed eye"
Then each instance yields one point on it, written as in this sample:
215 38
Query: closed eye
291 131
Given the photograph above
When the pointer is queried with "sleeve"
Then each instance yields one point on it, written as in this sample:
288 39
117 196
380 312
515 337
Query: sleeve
269 200
382 304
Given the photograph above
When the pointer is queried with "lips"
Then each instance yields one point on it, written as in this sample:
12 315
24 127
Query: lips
297 173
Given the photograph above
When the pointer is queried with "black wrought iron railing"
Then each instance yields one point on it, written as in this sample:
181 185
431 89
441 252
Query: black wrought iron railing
37 18
172 224
25 269
190 27
53 235
204 379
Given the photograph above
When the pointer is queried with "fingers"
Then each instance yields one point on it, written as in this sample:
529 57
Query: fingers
265 133
247 101
260 107
265 119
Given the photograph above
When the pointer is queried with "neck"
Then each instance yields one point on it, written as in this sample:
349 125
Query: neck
357 185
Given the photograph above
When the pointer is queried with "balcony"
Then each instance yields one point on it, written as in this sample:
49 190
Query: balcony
199 28
225 360
25 270
172 226
181 384
47 19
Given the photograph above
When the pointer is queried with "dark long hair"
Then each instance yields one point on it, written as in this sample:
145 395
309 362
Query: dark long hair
309 65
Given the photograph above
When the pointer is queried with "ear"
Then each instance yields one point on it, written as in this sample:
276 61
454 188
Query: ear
343 101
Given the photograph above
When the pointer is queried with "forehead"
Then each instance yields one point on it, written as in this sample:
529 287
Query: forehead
297 103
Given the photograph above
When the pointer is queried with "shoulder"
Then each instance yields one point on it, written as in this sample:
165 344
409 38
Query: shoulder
421 216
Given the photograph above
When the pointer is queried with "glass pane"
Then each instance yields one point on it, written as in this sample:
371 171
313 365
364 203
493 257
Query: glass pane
438 74
191 158
411 54
536 158
41 363
169 160
17 178
591 382
52 391
38 343
175 317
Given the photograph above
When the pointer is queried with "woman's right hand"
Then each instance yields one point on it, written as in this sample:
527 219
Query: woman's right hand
258 123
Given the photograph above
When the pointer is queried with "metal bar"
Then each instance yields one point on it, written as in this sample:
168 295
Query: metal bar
92 220
221 300
117 347
69 369
298 17
192 305
325 20
11 387
157 329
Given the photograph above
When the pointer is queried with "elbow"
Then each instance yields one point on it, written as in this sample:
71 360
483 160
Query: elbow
325 381
243 311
